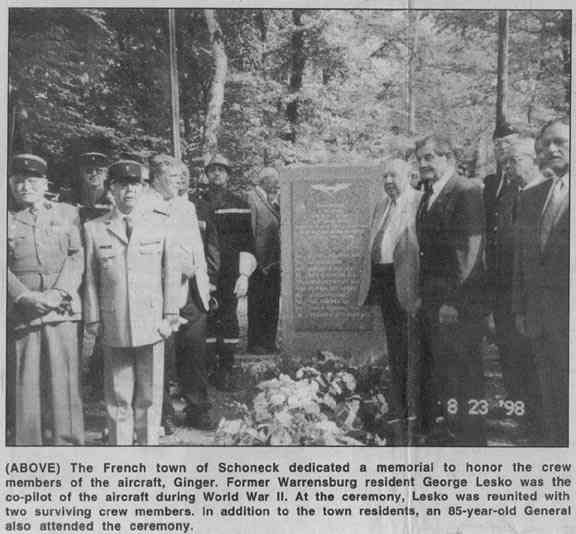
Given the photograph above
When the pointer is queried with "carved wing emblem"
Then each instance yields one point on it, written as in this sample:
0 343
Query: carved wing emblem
330 189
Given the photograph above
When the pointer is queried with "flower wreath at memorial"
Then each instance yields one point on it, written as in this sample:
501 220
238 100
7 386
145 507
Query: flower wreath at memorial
324 401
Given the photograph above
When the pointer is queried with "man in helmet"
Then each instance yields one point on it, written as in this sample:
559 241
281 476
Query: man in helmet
232 218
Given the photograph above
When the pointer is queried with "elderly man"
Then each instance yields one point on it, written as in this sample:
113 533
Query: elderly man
264 287
517 169
389 275
132 293
188 345
232 218
45 266
542 276
450 229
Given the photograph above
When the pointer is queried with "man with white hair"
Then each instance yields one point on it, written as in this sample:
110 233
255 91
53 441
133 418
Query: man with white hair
264 284
516 159
389 277
166 174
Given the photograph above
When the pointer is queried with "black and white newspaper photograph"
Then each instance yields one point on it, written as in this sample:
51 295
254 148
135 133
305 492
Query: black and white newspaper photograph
287 267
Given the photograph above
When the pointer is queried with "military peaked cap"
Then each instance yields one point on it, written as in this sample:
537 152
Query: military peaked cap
93 159
126 171
29 164
220 160
504 130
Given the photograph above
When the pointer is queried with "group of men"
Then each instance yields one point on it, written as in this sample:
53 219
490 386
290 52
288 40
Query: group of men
500 247
528 274
149 275
156 278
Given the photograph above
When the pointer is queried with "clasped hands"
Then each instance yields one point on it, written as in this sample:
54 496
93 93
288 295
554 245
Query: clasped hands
43 302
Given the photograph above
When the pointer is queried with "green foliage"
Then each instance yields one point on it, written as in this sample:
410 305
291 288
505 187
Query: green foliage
99 79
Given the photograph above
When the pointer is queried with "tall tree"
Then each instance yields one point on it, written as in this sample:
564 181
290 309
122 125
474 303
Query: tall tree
216 99
298 64
502 71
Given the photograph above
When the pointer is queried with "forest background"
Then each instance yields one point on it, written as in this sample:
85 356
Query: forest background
276 87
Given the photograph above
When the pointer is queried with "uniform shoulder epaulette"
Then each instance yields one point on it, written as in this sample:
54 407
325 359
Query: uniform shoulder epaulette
104 218
162 209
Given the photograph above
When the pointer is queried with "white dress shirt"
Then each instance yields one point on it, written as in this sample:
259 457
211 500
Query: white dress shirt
395 220
438 185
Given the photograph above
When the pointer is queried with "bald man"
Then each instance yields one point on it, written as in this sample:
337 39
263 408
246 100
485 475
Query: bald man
389 275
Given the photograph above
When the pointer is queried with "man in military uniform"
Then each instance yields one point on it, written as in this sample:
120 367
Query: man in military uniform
132 294
232 217
94 198
45 267
93 201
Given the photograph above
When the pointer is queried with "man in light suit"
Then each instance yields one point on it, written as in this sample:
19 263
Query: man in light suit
186 349
132 292
389 277
450 229
45 266
264 285
542 276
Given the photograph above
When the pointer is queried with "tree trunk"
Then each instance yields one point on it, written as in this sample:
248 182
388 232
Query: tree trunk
297 72
262 24
566 33
216 98
174 86
502 83
413 50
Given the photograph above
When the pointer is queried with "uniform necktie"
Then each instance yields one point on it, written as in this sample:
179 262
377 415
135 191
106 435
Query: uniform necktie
552 210
129 226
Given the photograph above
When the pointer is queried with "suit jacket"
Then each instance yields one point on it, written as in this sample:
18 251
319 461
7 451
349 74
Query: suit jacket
500 215
185 230
265 227
541 277
451 238
131 285
44 252
405 255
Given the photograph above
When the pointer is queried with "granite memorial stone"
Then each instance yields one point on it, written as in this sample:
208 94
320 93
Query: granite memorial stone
326 215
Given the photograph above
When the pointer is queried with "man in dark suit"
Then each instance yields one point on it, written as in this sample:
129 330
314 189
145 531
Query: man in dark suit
264 285
542 276
516 169
450 229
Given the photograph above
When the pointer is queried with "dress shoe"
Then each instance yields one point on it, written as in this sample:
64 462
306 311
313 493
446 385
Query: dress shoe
169 426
